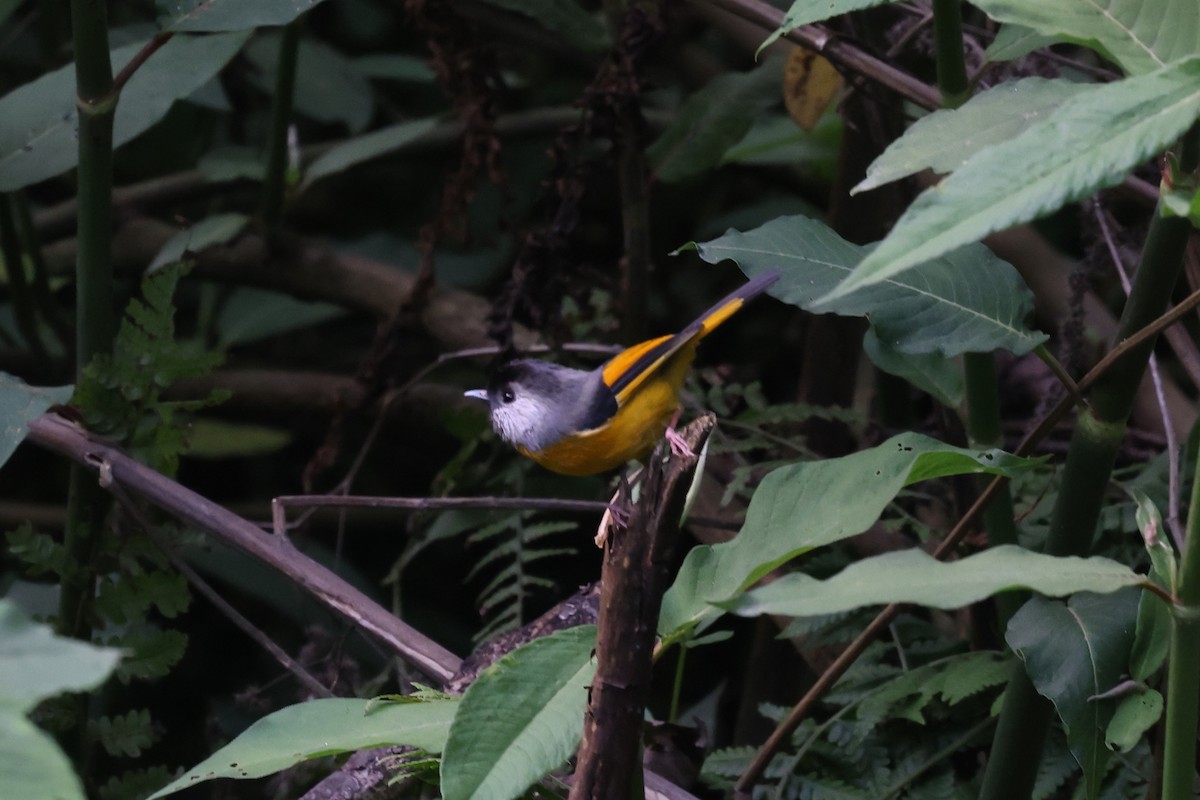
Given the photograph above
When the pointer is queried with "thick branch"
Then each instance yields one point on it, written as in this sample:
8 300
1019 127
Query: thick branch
635 575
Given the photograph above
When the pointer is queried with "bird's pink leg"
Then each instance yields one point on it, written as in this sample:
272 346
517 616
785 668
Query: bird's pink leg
679 447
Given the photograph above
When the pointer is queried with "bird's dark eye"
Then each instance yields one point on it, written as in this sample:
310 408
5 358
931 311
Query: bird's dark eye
507 395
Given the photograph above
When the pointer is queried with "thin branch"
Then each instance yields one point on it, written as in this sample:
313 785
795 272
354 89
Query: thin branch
152 46
57 434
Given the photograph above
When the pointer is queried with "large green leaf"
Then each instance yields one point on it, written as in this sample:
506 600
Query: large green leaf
32 764
1140 35
914 576
1014 41
713 120
806 12
805 505
366 147
43 143
1091 141
36 664
229 15
944 140
329 87
941 377
968 301
19 403
521 718
566 19
217 229
1073 652
321 728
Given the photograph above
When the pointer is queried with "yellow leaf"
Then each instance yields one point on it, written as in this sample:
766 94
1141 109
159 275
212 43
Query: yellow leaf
809 83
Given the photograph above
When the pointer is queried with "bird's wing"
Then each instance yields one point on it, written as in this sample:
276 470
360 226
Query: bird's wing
630 368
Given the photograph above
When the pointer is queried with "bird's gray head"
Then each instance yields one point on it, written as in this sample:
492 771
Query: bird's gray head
533 404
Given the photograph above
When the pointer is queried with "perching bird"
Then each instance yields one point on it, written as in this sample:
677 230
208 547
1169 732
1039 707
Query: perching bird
581 422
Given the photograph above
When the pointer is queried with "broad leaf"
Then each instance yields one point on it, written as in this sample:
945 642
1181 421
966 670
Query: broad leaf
806 12
229 15
1073 652
968 301
44 144
217 229
321 728
19 403
521 718
36 664
1140 35
1091 141
944 140
32 764
713 120
250 315
366 147
566 19
805 505
914 576
941 377
1014 41
1136 714
329 88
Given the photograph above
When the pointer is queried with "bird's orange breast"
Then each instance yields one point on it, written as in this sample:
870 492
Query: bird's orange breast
629 434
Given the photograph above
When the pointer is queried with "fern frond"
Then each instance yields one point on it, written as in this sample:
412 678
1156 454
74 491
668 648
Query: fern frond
150 653
125 734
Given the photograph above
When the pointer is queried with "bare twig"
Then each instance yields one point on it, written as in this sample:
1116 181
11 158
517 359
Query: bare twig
57 434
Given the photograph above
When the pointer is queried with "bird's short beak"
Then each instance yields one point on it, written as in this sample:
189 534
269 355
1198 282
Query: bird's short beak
478 394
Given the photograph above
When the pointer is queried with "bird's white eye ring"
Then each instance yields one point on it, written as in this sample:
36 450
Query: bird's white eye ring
508 396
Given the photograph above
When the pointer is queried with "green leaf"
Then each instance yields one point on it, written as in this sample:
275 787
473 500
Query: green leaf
125 734
808 504
914 576
36 664
320 728
1155 536
1152 639
44 143
1140 35
152 653
217 229
394 66
952 679
31 763
1014 41
941 377
521 718
364 148
566 19
1136 714
1074 651
251 315
806 12
228 15
20 403
967 301
713 120
1089 142
944 140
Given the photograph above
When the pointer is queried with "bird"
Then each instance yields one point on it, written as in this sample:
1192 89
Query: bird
584 422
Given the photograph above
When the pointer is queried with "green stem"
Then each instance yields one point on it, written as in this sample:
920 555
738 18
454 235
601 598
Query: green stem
275 182
1183 688
14 265
87 502
52 313
677 688
951 65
